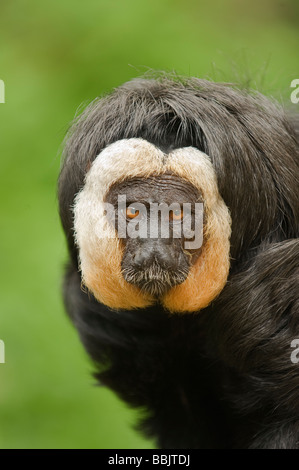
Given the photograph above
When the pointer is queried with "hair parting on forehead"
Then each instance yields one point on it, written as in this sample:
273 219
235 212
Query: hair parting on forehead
249 139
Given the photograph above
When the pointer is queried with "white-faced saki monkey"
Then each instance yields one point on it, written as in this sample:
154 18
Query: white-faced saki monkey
180 204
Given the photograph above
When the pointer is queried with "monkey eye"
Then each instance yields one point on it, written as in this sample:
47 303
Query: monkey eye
176 214
131 212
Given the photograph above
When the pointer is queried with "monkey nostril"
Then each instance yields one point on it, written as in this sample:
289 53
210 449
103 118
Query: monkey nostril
140 260
167 261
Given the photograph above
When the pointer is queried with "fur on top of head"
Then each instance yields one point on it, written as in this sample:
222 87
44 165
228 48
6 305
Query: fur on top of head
100 257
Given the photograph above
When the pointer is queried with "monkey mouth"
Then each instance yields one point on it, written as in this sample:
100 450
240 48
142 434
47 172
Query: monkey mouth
155 280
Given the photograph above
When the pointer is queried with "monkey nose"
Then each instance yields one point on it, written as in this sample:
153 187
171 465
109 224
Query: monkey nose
143 259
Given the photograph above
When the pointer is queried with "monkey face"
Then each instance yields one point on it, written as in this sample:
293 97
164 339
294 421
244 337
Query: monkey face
162 220
125 260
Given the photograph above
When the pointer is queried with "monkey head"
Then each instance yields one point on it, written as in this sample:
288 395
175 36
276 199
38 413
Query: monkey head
176 143
129 219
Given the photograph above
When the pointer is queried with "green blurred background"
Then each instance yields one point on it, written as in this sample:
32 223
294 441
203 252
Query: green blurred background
54 55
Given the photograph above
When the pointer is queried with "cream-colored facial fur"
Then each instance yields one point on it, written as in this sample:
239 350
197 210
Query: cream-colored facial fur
100 251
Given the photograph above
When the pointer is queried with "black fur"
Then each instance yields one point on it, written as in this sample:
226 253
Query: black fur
223 377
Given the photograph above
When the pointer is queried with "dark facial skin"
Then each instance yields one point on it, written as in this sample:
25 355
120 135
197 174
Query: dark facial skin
155 264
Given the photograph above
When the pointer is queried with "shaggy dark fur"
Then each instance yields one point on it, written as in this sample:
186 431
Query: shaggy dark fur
223 377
